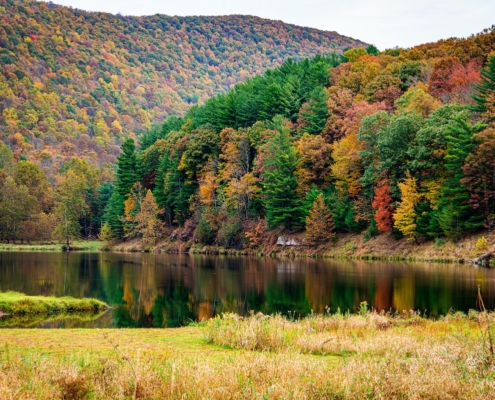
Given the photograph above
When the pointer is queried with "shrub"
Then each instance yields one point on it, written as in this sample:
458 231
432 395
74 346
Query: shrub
230 233
206 232
482 243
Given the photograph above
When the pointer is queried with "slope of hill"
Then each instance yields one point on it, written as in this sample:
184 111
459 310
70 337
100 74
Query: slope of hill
75 82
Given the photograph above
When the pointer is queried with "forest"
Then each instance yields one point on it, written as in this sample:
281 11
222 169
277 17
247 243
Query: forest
399 142
78 84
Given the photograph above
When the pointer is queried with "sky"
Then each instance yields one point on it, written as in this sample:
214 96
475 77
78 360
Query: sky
385 23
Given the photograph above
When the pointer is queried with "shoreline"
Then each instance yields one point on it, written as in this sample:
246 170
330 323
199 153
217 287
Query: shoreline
346 247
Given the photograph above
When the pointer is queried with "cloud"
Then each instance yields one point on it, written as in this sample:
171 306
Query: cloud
386 23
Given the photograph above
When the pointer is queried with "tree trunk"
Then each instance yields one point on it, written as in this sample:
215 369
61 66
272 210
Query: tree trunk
66 229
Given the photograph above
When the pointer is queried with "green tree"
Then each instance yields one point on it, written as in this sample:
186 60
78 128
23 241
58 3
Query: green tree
484 97
455 215
71 206
283 205
113 214
127 168
31 176
372 49
314 114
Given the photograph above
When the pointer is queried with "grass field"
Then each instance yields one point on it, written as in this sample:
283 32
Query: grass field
14 303
319 357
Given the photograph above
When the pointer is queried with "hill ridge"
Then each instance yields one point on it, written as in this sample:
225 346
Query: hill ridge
69 75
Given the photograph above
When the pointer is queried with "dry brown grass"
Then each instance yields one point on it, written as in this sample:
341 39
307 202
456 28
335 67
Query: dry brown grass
319 357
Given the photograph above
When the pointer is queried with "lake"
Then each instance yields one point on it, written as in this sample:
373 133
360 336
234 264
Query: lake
169 290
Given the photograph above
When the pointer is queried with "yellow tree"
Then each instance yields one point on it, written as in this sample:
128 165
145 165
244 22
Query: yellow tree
347 167
405 216
314 164
241 192
148 224
418 99
208 189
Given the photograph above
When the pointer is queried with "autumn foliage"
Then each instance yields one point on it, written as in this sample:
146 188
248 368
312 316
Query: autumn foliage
382 203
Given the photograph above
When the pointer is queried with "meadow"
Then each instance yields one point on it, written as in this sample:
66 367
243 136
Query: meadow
338 356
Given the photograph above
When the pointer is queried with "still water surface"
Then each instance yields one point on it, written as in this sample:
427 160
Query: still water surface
165 290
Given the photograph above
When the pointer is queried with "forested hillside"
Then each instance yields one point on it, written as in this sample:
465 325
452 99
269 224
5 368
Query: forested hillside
77 83
400 142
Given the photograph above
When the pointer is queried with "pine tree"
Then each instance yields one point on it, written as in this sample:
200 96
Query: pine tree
310 199
485 92
113 214
314 114
319 223
127 168
455 215
283 205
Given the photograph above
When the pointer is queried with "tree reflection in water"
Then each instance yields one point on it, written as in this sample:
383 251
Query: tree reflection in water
162 290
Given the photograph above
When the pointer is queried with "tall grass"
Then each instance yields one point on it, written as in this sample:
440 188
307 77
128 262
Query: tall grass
319 357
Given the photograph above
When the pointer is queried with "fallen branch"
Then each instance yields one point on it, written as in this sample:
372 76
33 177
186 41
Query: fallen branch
483 259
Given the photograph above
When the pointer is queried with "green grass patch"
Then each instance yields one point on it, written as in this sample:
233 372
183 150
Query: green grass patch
81 245
14 303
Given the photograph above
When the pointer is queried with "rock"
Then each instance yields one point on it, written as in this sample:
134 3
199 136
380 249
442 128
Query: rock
285 241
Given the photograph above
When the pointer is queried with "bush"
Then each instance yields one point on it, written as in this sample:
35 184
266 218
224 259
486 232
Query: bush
482 243
439 242
206 232
230 233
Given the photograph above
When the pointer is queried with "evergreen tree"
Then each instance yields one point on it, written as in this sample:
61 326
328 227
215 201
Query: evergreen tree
276 100
339 208
127 168
311 197
427 223
315 113
283 205
319 223
455 215
113 214
353 225
485 92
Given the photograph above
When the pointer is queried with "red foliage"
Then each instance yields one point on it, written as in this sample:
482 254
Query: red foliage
453 80
382 203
